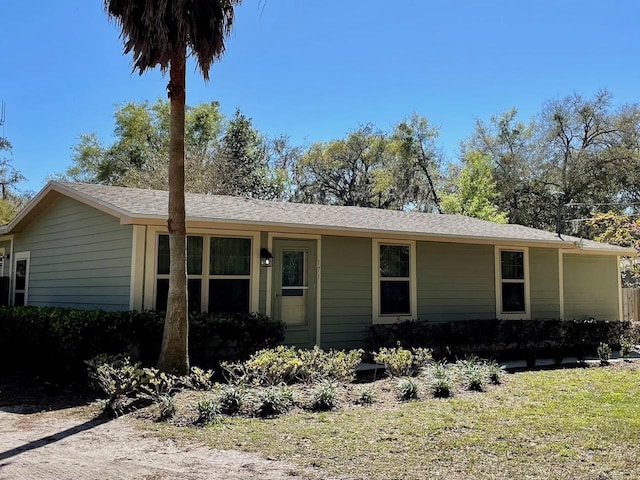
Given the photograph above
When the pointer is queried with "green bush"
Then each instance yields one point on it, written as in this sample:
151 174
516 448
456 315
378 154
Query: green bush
625 347
500 339
472 373
291 365
400 362
52 343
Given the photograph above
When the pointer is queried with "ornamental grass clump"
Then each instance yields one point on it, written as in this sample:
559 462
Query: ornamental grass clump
324 396
407 389
208 410
366 396
472 373
439 379
231 399
274 401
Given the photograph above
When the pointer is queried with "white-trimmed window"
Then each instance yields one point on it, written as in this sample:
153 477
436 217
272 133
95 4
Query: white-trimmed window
218 273
512 283
21 278
394 280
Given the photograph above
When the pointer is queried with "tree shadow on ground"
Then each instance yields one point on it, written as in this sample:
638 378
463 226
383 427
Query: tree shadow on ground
56 437
26 397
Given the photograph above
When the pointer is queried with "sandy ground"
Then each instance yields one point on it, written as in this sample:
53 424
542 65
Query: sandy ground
70 445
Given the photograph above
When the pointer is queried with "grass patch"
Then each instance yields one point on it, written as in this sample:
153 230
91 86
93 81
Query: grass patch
561 424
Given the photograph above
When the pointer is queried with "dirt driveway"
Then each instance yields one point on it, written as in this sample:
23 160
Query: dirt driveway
68 444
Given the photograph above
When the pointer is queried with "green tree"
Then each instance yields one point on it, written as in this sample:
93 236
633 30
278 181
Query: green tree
414 172
341 172
474 190
11 201
160 32
242 162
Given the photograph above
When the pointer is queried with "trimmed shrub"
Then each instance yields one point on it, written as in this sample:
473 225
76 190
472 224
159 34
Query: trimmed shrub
291 365
400 362
52 343
500 339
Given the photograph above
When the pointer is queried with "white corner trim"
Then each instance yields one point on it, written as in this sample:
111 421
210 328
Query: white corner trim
620 302
378 318
138 242
561 282
526 315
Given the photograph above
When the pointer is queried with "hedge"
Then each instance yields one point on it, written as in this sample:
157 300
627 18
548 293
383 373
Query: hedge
52 343
501 339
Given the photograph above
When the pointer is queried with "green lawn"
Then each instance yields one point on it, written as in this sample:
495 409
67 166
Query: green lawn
562 424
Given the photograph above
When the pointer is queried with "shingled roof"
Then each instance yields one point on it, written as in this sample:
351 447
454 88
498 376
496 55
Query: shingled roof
141 204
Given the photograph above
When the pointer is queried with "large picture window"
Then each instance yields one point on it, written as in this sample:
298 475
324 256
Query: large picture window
512 296
218 277
394 280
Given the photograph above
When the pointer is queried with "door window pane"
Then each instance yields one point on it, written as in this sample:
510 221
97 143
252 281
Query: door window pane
228 295
394 298
19 299
513 297
163 254
194 255
21 274
394 261
292 269
512 265
230 256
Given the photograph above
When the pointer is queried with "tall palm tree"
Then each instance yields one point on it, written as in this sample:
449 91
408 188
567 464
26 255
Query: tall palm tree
161 33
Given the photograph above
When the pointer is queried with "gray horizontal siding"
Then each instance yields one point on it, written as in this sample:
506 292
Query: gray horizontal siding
591 286
346 300
455 281
80 257
544 283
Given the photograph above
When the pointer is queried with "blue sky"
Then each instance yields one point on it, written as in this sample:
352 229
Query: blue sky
316 69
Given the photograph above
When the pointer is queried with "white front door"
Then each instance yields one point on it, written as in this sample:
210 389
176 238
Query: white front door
295 289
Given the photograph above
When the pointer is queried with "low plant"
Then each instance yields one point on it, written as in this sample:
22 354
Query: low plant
604 353
166 408
273 401
494 372
366 396
119 383
626 346
317 365
154 384
407 389
402 362
472 373
208 410
199 379
231 399
324 396
272 366
439 379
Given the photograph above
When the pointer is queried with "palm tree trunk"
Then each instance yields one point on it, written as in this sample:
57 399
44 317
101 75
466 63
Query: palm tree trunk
174 356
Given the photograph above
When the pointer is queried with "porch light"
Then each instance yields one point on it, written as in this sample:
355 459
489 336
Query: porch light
266 259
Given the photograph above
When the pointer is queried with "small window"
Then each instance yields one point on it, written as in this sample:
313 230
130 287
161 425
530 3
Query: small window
511 283
394 280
